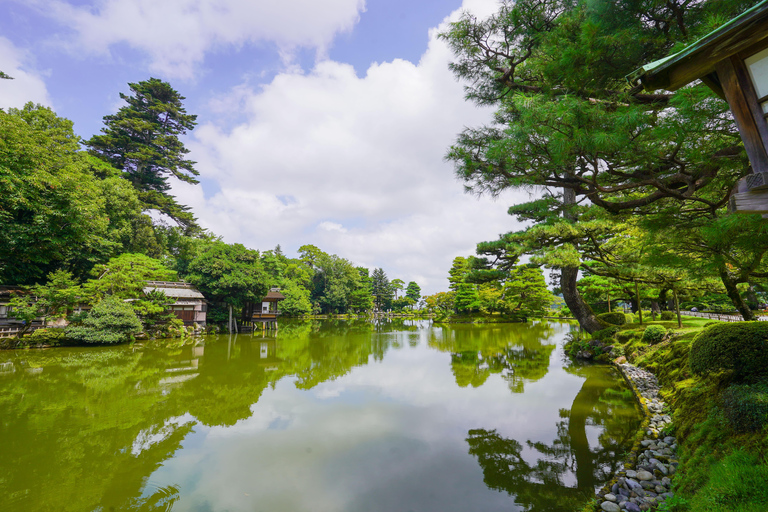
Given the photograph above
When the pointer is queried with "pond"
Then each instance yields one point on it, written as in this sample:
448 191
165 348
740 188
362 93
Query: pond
323 416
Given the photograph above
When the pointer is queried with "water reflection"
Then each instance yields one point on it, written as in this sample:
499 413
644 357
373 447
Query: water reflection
147 427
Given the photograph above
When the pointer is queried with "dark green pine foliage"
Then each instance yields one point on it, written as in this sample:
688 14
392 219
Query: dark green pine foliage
142 140
381 290
413 291
567 120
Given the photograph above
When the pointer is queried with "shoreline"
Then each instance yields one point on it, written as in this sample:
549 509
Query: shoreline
646 478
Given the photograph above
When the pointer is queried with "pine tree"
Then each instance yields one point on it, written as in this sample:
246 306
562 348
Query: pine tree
142 140
381 290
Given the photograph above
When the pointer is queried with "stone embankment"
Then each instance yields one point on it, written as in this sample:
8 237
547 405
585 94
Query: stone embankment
645 483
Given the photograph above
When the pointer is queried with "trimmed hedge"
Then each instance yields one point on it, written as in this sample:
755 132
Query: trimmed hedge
629 318
110 321
668 315
654 334
741 347
746 406
615 318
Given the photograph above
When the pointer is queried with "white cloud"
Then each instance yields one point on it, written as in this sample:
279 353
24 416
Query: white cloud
27 84
177 34
351 164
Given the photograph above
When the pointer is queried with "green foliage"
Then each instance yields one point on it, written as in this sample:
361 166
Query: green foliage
625 336
227 273
142 140
125 276
381 290
668 315
746 406
741 347
654 334
615 318
110 321
56 212
736 483
296 299
605 334
52 337
413 291
629 318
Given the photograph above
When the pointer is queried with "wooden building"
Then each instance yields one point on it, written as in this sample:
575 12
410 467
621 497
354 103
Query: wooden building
190 306
733 61
266 311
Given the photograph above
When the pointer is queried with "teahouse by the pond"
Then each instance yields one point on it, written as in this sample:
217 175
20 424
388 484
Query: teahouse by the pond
190 305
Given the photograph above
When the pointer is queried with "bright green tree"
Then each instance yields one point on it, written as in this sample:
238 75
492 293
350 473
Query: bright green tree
397 285
567 120
381 290
142 140
61 208
413 291
125 276
228 274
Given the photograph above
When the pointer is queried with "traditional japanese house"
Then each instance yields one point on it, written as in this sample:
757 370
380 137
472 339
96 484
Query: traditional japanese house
266 311
190 305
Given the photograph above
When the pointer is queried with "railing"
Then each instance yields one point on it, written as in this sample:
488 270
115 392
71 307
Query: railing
13 331
721 317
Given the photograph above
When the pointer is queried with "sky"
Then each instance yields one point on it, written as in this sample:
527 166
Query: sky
322 122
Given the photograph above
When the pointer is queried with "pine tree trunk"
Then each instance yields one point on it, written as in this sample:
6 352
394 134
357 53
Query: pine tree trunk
735 296
677 310
575 302
568 277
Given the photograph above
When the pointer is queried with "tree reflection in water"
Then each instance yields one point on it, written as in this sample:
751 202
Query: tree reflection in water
547 483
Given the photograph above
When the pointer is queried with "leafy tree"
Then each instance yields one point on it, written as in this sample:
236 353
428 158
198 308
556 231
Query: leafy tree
228 274
458 272
397 286
297 301
381 290
442 302
413 291
125 276
59 204
467 298
142 140
4 76
526 291
361 298
567 120
110 321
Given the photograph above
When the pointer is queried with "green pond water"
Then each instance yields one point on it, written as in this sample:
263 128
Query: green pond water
324 416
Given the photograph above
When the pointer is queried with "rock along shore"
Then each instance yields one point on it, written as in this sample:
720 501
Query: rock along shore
645 481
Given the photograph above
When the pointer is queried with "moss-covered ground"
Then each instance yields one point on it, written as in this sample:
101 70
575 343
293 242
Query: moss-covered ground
721 469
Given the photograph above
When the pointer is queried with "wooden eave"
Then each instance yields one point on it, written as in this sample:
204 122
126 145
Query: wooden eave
698 60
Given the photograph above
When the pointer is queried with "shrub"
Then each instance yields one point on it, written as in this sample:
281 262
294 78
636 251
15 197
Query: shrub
654 334
52 337
741 347
613 318
110 321
746 406
605 334
668 315
629 318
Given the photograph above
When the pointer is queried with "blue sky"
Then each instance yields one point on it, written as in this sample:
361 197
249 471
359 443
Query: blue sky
319 121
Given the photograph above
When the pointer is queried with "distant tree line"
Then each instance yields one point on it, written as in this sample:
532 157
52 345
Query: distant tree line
86 220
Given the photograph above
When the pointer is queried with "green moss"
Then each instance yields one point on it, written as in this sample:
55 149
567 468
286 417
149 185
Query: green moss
736 483
614 318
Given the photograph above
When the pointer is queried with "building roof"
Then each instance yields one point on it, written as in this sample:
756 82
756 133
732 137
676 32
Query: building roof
274 294
176 290
699 58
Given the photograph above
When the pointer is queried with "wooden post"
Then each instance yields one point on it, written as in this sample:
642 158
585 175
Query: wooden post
639 305
677 309
229 324
609 302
